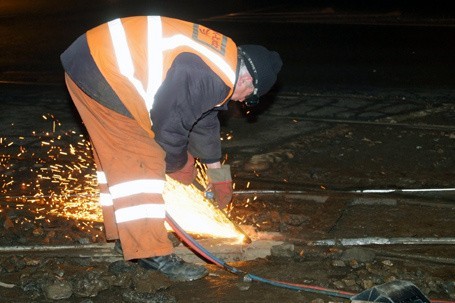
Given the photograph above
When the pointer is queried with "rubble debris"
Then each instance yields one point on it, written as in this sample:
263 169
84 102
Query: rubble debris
7 285
133 296
285 250
58 290
338 263
358 254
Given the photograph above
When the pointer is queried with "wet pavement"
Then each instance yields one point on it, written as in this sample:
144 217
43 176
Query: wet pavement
383 137
358 108
314 149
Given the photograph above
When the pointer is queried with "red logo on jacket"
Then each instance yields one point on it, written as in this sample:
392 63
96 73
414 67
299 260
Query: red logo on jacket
210 37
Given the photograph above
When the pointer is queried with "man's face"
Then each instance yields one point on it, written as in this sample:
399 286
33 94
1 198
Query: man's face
243 89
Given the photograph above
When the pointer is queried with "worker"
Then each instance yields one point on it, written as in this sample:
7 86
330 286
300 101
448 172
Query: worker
148 90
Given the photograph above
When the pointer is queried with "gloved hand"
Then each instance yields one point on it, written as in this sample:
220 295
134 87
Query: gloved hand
187 173
220 183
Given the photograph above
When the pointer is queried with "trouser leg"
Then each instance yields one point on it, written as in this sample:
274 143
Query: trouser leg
134 166
105 200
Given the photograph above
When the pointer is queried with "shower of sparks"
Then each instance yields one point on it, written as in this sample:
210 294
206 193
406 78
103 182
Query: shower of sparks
53 174
195 214
47 173
225 136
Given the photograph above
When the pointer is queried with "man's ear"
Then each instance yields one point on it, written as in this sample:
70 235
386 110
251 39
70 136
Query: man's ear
245 80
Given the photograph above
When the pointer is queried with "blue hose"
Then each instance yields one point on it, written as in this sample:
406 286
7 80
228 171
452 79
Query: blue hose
300 287
191 242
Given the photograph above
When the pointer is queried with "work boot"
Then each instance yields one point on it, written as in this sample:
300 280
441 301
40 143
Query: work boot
118 247
174 267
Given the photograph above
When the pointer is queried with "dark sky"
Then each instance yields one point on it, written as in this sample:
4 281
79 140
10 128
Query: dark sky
317 46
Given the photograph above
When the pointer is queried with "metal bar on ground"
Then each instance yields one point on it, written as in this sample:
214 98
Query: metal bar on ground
224 248
383 241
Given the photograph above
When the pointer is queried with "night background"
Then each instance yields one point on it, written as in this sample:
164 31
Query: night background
323 42
355 141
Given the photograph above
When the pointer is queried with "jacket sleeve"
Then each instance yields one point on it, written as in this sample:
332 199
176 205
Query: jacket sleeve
204 140
183 114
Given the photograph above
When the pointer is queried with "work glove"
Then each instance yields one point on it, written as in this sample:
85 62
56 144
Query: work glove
220 183
187 173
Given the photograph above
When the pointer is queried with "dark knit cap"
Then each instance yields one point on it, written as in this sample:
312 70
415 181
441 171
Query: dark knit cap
263 66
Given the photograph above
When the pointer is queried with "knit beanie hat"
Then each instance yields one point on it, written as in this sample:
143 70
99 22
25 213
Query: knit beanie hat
263 66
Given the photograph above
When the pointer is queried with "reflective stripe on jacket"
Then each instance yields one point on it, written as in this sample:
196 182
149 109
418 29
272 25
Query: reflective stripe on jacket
191 72
142 49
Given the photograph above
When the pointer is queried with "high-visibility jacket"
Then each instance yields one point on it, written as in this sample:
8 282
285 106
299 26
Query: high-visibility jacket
167 74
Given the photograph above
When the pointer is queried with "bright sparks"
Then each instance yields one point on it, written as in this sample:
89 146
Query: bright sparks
59 179
195 214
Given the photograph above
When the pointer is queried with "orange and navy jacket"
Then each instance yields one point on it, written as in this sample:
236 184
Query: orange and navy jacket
170 75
